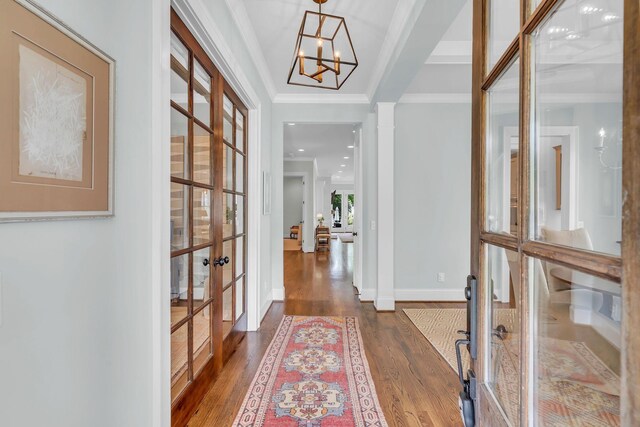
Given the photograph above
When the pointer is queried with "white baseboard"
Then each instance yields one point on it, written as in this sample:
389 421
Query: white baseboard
265 306
308 248
430 294
385 304
277 294
367 295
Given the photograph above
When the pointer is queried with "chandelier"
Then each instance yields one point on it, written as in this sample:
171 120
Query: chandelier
324 56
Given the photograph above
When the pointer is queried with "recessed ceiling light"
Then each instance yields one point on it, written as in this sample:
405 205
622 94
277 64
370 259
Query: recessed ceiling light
354 131
610 17
291 124
346 158
349 146
343 166
557 30
590 10
573 36
301 149
339 171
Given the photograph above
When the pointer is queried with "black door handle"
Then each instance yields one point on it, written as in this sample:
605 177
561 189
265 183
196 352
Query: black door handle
355 233
221 261
205 262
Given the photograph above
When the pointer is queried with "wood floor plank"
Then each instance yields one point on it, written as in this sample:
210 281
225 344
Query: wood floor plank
415 385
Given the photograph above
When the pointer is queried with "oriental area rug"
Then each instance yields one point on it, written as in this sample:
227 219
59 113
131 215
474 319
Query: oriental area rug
314 374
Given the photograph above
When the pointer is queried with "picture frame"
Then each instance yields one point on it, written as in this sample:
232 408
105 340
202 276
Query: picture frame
56 119
266 193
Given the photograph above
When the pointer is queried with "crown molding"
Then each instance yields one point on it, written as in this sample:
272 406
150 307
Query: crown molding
317 98
435 98
551 98
300 159
243 23
399 21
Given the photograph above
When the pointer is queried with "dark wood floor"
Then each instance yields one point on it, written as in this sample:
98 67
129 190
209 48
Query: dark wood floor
416 387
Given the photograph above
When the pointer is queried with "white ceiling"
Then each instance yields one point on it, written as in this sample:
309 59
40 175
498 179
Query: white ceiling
327 143
276 24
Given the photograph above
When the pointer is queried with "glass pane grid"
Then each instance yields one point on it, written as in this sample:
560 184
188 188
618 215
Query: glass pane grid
502 152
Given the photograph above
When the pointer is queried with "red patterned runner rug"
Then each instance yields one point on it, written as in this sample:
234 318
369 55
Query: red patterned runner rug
314 374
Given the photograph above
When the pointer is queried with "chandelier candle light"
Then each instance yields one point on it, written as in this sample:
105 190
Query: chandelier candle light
324 35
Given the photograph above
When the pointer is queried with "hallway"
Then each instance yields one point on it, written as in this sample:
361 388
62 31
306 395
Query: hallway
416 387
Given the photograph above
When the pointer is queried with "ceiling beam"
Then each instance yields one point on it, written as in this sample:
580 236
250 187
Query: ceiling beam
428 23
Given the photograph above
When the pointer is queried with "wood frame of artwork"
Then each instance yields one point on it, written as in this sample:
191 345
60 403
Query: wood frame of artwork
43 177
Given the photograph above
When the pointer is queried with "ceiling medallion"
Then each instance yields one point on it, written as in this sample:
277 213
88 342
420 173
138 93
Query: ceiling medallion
324 56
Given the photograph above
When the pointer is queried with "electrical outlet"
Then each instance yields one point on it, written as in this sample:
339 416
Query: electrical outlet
441 277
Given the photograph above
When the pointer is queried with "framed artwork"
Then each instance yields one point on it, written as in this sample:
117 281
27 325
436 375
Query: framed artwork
266 193
56 119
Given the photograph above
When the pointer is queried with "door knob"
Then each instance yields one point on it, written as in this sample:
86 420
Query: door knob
226 260
205 262
355 233
219 261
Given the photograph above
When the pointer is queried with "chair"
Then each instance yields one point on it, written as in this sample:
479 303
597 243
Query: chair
578 238
323 238
294 231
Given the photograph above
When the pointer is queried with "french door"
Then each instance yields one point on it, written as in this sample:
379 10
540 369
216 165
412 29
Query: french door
208 217
555 236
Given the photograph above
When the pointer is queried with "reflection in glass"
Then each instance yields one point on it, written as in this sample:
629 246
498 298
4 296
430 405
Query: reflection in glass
179 287
239 298
503 114
202 348
179 72
201 94
227 123
179 216
227 208
503 277
576 353
577 143
239 173
239 215
504 26
239 130
201 277
336 210
201 155
227 270
201 216
179 145
227 311
227 168
239 256
179 360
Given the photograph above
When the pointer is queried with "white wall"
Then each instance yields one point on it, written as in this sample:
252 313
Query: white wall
75 339
292 196
432 200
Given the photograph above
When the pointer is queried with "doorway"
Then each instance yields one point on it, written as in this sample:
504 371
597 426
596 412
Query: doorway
549 241
208 216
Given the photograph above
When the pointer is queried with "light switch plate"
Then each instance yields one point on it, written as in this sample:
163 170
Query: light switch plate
372 225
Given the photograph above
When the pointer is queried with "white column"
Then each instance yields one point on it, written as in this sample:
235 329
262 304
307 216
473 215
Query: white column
385 299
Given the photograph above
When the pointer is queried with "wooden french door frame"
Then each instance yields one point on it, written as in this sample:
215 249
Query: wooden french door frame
624 269
188 400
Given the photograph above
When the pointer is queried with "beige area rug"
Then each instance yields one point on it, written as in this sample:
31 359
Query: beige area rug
291 245
575 387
